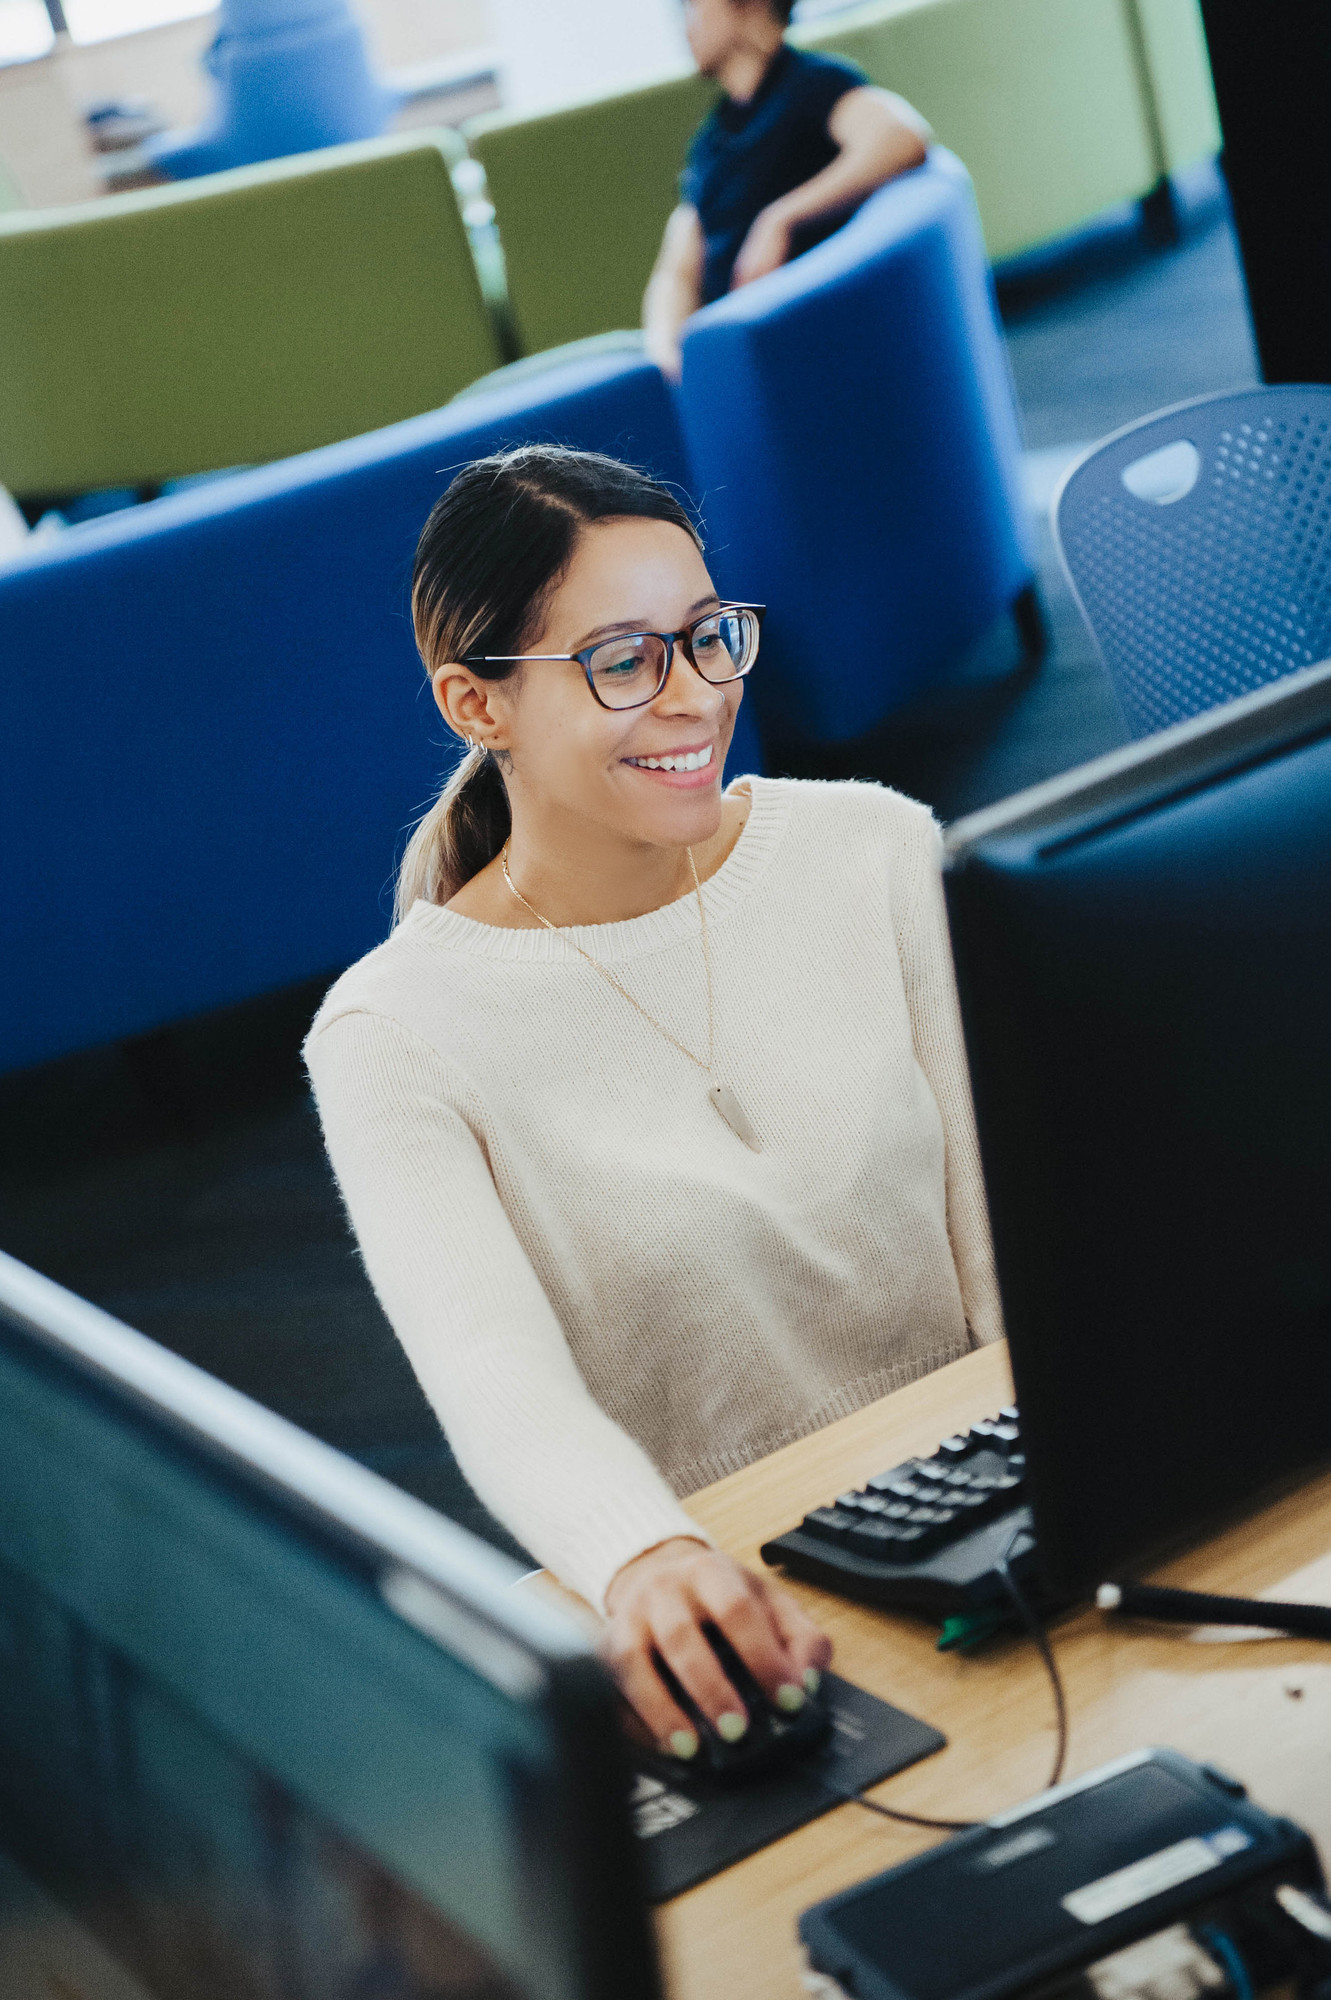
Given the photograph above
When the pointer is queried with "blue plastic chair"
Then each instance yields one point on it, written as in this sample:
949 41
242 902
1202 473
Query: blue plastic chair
854 441
1198 543
289 76
215 730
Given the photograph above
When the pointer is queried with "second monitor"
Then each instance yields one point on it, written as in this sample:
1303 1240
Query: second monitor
1143 951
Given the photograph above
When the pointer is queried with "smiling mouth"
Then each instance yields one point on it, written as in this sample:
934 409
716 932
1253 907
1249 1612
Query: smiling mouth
688 760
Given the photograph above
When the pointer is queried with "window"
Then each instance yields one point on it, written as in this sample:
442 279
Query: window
25 30
100 20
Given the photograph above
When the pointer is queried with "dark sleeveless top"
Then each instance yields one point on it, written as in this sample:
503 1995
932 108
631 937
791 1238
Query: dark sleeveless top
746 155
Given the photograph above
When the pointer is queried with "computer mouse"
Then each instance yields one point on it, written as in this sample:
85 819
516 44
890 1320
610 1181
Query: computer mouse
773 1739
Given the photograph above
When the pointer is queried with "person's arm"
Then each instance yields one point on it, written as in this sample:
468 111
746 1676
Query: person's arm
878 136
674 289
931 996
491 1357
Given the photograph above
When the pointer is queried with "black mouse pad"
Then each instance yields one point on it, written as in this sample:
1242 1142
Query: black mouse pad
692 1829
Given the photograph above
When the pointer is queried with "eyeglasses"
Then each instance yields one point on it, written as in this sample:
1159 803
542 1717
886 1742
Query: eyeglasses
631 670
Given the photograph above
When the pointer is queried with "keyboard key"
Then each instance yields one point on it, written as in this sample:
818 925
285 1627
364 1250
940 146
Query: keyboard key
896 1485
874 1538
862 1503
1009 1414
830 1524
954 1448
932 1472
1007 1433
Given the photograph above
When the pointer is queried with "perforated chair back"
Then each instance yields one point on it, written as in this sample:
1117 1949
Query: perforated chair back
1198 543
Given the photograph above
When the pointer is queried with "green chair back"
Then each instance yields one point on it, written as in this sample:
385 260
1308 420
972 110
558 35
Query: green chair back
1042 99
581 198
1173 47
236 318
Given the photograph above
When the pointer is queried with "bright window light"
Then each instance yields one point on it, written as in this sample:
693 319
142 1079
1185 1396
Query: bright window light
101 20
25 30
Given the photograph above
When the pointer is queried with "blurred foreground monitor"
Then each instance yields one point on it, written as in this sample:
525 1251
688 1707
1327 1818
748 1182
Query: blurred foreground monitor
270 1729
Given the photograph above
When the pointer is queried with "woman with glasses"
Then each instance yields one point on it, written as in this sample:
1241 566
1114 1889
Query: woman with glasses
652 1114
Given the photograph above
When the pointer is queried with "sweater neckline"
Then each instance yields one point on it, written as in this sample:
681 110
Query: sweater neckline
634 937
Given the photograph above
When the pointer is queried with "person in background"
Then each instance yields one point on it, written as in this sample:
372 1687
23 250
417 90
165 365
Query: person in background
796 143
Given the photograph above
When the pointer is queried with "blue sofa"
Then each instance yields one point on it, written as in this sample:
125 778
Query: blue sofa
214 729
854 444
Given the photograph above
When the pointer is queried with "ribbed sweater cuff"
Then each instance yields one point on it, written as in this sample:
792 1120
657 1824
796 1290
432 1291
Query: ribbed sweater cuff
613 1535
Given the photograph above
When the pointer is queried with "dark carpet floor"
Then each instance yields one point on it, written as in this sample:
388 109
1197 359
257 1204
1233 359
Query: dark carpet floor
180 1181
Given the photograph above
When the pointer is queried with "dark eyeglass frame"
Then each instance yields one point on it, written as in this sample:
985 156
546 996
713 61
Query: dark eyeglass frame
683 639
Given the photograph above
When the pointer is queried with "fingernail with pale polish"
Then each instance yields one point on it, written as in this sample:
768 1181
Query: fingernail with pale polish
731 1726
684 1744
813 1680
790 1698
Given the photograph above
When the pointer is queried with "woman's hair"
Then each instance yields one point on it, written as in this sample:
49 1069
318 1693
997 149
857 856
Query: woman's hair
496 547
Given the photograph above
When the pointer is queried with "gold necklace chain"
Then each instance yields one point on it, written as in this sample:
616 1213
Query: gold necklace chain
706 1067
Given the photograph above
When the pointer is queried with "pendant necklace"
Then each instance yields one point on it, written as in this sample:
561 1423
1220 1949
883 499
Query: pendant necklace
721 1094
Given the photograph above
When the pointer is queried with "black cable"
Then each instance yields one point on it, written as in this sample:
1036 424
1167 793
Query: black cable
1222 1946
1036 1631
889 1812
1046 1651
1204 1607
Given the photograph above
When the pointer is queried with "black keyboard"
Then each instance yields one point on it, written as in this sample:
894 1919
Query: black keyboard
928 1535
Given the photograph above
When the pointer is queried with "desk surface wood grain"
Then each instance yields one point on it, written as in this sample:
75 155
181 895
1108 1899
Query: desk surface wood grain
1261 1708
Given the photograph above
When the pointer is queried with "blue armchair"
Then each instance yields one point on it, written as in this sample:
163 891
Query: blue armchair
854 445
214 730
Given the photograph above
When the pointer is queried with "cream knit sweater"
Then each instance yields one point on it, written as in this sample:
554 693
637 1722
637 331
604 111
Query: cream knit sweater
608 1298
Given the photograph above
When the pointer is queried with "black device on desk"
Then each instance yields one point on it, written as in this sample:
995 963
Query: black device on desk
1152 1876
268 1725
1143 951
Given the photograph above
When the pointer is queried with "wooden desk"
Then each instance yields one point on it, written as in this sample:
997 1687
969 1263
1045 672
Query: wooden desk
1261 1710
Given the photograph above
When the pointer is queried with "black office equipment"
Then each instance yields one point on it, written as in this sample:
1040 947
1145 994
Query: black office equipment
774 1739
269 1726
693 1822
1205 1607
1143 949
1151 1875
1272 72
927 1535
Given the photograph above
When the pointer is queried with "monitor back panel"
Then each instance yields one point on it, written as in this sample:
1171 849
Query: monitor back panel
1146 986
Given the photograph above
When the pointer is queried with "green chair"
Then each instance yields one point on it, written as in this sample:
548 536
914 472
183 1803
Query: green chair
581 196
1060 108
1042 99
236 318
1178 71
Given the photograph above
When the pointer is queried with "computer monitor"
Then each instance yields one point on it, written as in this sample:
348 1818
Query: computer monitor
269 1728
1143 951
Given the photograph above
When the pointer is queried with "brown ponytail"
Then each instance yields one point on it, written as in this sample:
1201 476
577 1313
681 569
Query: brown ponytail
495 548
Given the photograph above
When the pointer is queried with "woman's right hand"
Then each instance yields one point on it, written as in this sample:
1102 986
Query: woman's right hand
658 1604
